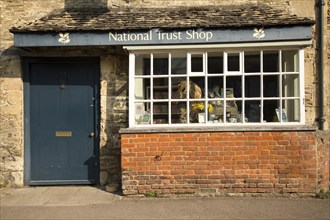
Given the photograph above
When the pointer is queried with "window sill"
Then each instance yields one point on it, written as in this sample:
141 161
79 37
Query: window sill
148 129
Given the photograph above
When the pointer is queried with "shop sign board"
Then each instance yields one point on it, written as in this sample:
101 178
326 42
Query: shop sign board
163 37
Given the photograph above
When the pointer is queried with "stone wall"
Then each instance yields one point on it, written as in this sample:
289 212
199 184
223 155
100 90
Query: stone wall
11 122
323 160
114 87
11 85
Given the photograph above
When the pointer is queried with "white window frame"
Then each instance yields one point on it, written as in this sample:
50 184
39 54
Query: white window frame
137 50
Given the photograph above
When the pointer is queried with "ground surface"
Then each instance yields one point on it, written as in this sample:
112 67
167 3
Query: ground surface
92 203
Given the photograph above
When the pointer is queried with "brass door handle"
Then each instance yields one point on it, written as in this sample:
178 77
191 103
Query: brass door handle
91 134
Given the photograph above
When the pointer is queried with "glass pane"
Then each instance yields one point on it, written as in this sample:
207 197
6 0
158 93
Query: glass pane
179 112
271 61
269 110
196 87
160 114
232 111
160 89
142 115
215 86
215 62
233 62
252 111
179 87
142 64
252 62
290 85
217 112
252 86
291 112
179 64
142 89
271 88
160 64
290 61
198 111
196 62
234 86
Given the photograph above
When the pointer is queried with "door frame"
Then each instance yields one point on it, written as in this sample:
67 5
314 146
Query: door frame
27 61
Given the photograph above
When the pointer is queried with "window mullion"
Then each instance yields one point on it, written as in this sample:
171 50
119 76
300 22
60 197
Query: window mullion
261 91
169 88
280 85
188 86
301 78
152 88
131 110
225 66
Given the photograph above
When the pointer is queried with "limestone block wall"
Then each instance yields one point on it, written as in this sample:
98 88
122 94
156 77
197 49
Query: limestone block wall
11 85
11 122
114 87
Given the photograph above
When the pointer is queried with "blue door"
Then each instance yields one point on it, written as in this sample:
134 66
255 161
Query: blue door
63 105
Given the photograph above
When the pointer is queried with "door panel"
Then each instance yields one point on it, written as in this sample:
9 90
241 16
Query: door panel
62 116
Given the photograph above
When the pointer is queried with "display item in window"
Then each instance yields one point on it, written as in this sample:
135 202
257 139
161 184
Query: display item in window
194 90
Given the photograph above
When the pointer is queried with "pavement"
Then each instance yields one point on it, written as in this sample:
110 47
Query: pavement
86 202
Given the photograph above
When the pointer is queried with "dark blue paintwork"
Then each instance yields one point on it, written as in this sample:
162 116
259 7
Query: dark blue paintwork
62 98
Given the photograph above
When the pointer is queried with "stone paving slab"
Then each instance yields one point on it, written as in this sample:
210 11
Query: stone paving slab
56 196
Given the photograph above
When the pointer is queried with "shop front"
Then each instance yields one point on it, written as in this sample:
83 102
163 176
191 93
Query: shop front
214 101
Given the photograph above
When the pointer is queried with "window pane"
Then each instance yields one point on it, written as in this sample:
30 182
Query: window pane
252 86
234 84
179 113
271 61
252 62
179 87
142 88
215 86
252 111
160 88
142 64
292 110
160 114
233 62
271 86
290 84
232 111
215 62
217 111
197 111
160 64
196 62
197 86
269 110
142 116
179 64
290 61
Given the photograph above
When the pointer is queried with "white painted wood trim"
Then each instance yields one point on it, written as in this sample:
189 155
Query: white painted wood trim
131 90
219 46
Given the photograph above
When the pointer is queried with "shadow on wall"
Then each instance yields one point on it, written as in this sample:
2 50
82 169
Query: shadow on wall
73 4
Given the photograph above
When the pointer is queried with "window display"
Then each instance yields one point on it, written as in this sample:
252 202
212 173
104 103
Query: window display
217 87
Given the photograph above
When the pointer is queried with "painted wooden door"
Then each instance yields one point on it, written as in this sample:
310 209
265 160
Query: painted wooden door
62 123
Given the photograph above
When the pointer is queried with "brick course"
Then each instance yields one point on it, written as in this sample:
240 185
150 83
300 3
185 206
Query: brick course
227 162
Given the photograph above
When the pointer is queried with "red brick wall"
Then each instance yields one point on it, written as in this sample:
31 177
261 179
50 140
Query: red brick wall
220 162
